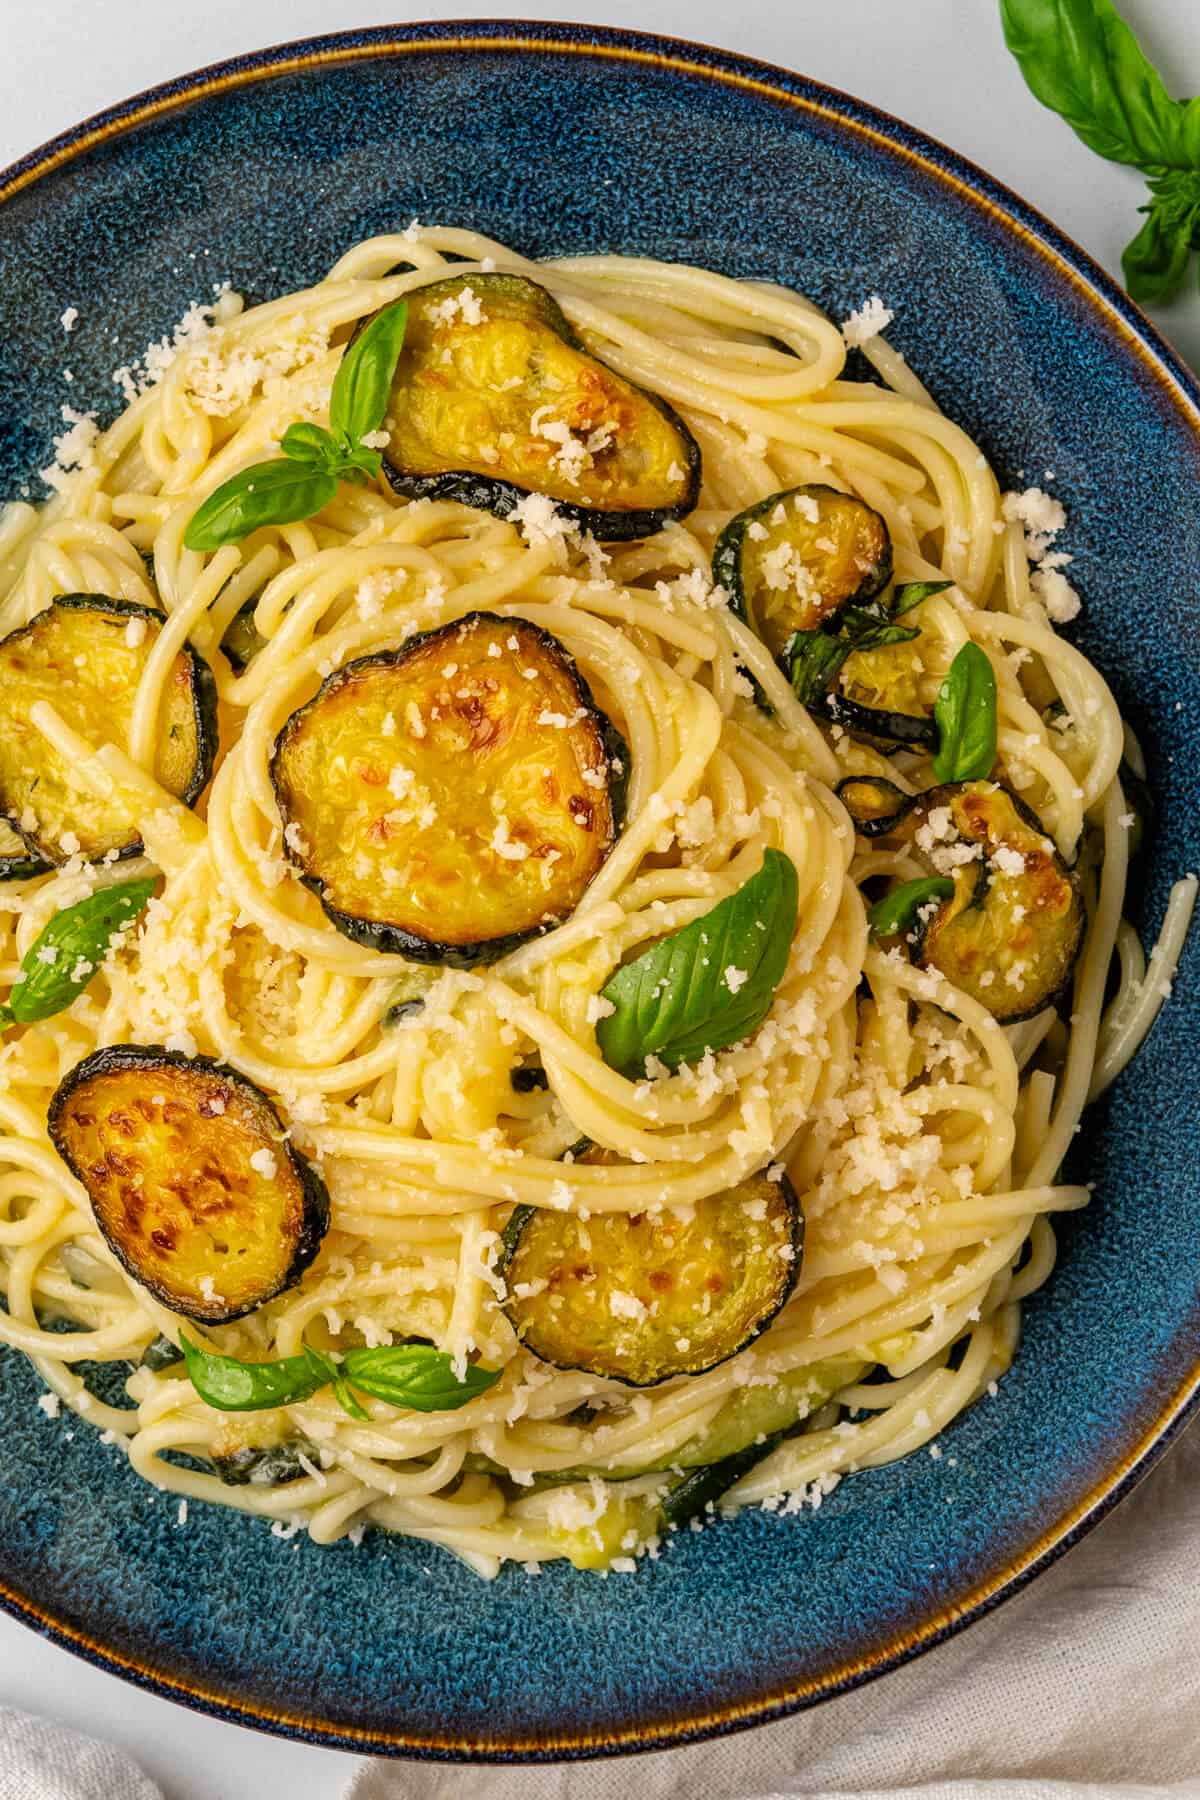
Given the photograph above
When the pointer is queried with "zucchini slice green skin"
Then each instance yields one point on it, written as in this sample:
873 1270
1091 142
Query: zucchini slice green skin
16 862
875 804
163 1144
481 387
525 778
41 660
704 1486
889 730
624 1298
243 640
1009 938
773 563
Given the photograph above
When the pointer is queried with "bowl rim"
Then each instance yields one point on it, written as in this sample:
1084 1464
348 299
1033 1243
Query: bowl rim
1122 319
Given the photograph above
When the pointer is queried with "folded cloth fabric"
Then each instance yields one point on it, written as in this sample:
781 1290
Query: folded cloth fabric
1084 1687
42 1761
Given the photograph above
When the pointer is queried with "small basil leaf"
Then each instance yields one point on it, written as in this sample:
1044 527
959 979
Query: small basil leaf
911 593
813 659
675 1000
311 444
233 1386
965 714
267 493
344 1396
1155 263
70 948
416 1376
361 386
897 910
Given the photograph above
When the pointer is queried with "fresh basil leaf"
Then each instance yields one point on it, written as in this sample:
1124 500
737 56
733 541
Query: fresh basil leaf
676 1000
965 714
267 493
813 659
361 386
233 1386
1155 263
70 948
1082 61
312 444
897 910
416 1376
911 593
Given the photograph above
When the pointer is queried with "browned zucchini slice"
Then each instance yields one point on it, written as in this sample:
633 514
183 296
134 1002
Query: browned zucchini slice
640 1298
494 398
449 799
792 561
85 654
192 1177
876 696
1011 931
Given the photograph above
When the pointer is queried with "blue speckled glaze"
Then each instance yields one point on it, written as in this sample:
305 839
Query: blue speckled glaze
570 140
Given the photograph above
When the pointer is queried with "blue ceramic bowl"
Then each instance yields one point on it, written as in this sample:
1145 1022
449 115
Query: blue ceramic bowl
559 140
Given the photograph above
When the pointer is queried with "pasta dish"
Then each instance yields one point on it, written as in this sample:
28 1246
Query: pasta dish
562 899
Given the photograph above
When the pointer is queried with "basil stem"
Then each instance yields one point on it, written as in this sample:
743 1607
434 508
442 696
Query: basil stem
897 910
911 593
69 949
267 493
965 715
707 986
416 1376
363 382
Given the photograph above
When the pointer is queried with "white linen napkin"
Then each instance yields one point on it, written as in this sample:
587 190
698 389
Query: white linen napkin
41 1761
1084 1687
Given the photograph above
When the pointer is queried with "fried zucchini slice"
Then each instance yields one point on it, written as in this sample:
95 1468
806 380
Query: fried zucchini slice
1011 931
447 800
194 1182
85 654
17 863
876 695
640 1298
791 562
494 398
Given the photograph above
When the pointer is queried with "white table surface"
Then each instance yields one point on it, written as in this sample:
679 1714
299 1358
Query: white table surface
939 63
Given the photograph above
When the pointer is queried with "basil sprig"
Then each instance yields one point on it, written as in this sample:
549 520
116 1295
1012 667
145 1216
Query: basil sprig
305 478
965 715
69 949
709 985
416 1376
897 910
1082 61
